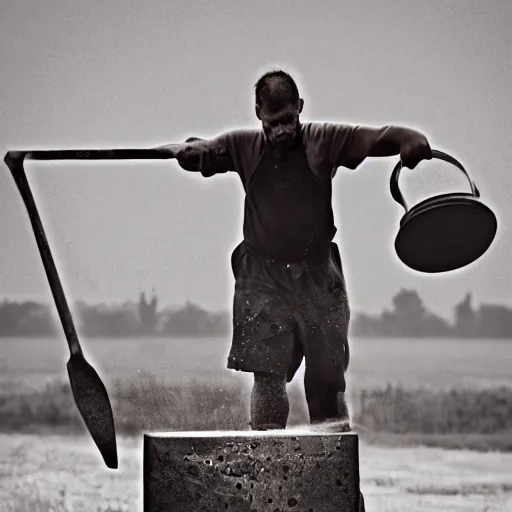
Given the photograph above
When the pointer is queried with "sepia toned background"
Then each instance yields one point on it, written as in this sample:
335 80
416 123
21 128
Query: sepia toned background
141 74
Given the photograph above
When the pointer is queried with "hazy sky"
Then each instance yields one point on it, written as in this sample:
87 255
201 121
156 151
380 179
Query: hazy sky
122 73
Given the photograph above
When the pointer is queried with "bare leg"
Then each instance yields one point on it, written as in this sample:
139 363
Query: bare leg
326 404
269 402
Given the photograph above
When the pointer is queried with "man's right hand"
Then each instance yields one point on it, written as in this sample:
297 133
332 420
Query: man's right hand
171 150
208 156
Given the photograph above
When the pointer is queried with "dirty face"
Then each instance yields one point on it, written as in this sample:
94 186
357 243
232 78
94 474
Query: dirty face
280 126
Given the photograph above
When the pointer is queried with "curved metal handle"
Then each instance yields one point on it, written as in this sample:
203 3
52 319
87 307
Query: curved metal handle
395 190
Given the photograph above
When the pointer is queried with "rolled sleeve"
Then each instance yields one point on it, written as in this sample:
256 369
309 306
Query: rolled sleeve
346 148
333 145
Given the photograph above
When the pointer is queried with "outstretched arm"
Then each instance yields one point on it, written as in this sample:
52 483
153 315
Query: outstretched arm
349 145
200 155
411 145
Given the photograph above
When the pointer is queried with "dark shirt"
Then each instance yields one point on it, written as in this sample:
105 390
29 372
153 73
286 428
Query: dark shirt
288 212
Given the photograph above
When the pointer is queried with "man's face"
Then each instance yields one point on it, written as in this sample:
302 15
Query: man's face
280 126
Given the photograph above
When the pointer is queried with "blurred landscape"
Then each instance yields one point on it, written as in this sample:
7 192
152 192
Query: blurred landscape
438 391
407 317
424 407
420 388
435 424
452 384
473 419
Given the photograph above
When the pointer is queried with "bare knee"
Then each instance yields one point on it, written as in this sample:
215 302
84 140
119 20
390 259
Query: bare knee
270 381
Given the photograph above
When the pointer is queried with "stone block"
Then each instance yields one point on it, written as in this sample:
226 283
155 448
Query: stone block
251 471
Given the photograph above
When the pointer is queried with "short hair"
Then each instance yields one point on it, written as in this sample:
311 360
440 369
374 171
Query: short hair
276 89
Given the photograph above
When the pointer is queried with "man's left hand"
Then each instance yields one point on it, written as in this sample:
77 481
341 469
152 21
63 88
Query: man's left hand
414 150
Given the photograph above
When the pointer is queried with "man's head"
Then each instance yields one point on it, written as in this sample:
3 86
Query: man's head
278 107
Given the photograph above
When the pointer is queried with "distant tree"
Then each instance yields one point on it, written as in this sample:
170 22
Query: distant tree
466 321
27 318
494 321
408 318
148 313
100 321
408 305
192 320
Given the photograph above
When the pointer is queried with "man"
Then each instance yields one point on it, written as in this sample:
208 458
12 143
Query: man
290 298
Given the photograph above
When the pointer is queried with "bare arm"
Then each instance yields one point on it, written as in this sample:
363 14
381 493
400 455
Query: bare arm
389 140
411 145
199 155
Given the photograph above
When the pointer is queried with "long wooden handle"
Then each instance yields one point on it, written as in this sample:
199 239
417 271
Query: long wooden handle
66 319
97 154
16 158
15 161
